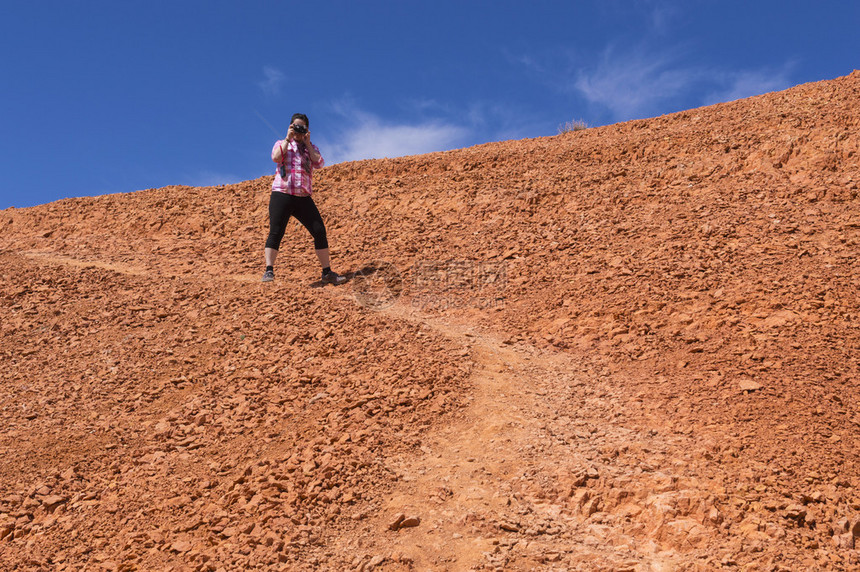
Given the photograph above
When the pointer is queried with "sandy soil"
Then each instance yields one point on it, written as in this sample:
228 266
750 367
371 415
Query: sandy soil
632 347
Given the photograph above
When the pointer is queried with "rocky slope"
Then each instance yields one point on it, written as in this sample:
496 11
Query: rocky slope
632 347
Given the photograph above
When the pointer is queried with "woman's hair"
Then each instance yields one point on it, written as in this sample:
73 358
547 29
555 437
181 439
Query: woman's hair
301 116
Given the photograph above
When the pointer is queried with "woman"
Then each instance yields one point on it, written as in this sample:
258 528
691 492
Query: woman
297 158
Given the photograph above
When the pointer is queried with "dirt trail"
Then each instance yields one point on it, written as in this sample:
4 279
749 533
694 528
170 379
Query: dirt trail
511 483
56 258
462 474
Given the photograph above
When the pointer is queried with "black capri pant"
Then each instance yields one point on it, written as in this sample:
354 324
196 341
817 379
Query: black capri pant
282 206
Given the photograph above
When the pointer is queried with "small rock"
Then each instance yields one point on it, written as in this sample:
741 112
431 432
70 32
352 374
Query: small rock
591 507
796 512
509 526
23 520
395 524
181 546
12 499
749 385
714 517
844 541
162 429
403 521
309 467
30 504
51 502
580 497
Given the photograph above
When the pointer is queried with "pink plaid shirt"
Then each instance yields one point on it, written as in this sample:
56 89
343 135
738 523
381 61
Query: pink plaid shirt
294 173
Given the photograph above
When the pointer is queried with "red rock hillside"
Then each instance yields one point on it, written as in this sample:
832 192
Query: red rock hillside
632 347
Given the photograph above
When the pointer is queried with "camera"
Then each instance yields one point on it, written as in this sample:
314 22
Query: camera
300 129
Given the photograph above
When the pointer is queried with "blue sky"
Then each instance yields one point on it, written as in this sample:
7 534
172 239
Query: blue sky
116 96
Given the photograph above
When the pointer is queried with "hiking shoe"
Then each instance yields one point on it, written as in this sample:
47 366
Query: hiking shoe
268 276
333 278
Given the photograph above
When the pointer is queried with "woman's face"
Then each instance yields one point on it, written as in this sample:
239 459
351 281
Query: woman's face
295 134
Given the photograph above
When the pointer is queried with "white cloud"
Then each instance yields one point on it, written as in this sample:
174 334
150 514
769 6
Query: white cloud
741 85
634 85
274 78
642 84
369 137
